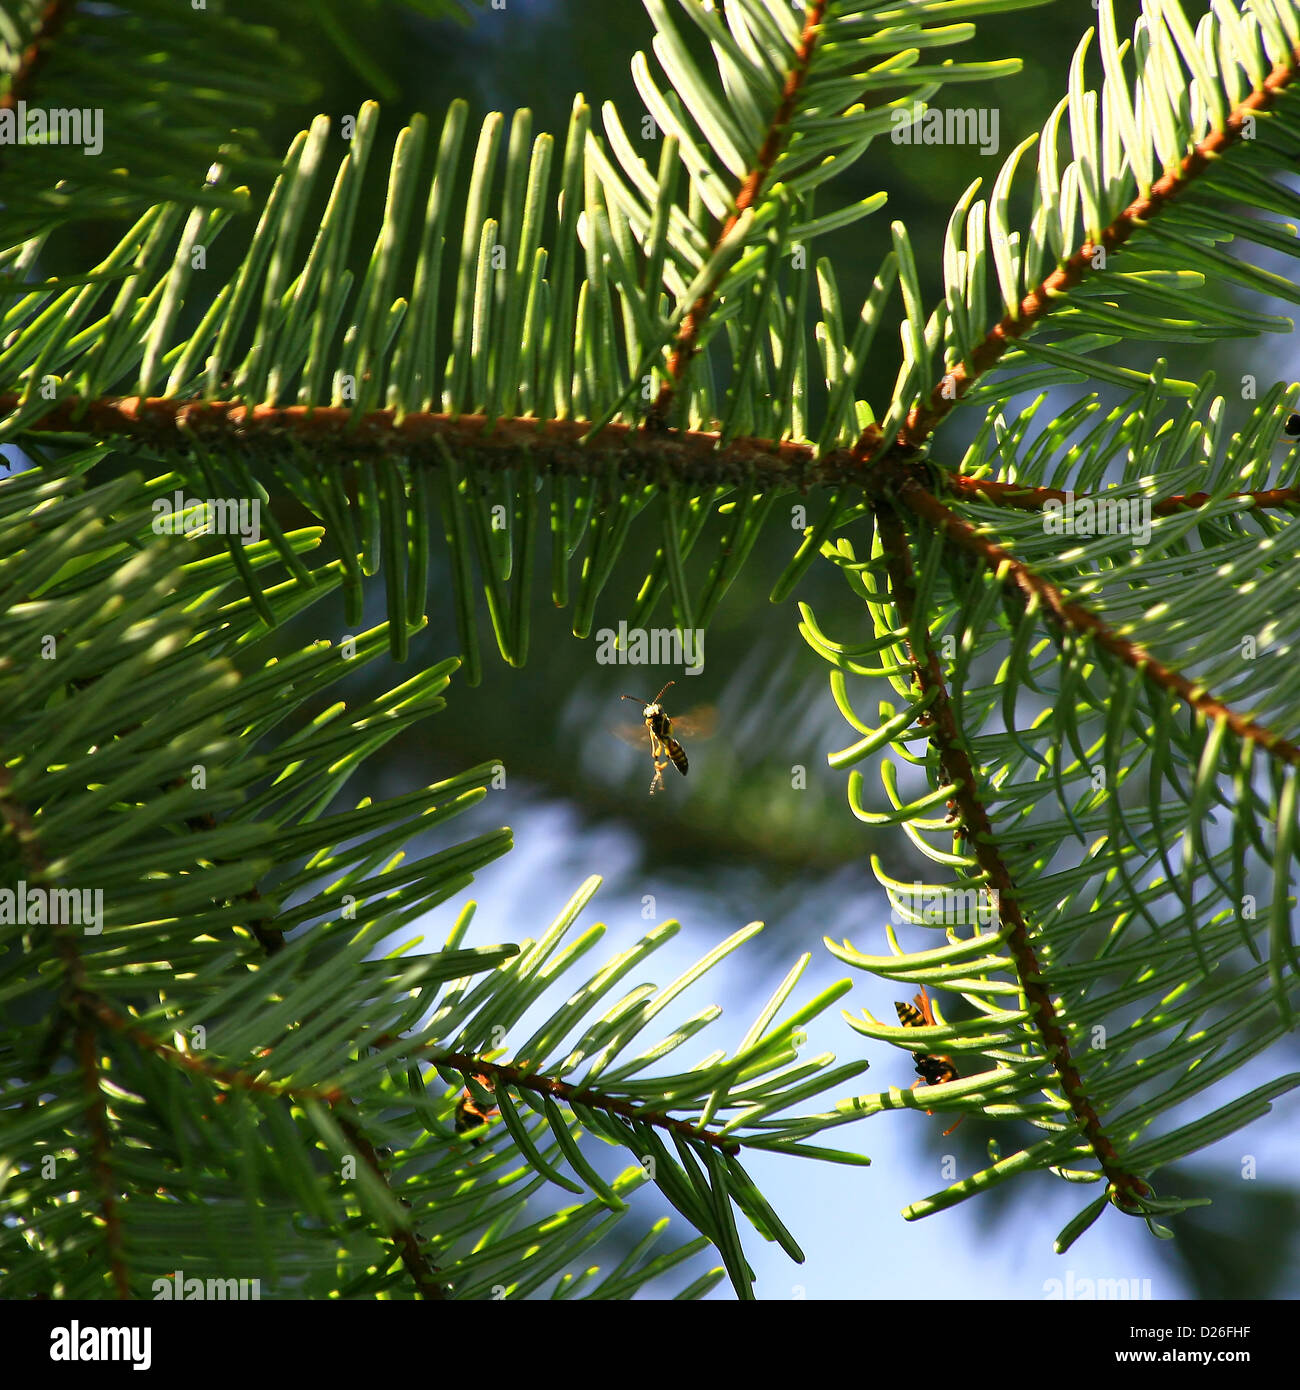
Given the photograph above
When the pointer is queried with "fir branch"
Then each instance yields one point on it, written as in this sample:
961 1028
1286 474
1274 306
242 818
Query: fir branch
751 188
1073 617
424 1273
955 760
1052 292
522 1079
1025 498
85 1049
554 446
87 1055
74 1008
639 241
232 1077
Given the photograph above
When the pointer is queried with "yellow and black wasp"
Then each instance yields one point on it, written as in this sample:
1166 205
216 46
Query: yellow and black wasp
663 746
932 1068
469 1113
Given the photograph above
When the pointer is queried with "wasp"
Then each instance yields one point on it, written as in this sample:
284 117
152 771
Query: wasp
469 1113
663 746
931 1068
1292 426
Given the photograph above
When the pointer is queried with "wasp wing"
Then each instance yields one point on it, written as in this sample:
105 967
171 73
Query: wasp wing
633 732
700 721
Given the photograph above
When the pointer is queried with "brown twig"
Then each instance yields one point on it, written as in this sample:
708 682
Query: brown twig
1032 499
1053 291
1071 617
89 1005
552 446
231 1077
561 1090
332 434
87 1052
687 342
53 17
957 767
85 1048
424 1273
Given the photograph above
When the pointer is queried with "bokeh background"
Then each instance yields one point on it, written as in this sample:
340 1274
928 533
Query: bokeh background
734 842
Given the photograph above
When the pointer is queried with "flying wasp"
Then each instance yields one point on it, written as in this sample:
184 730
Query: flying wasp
664 748
931 1068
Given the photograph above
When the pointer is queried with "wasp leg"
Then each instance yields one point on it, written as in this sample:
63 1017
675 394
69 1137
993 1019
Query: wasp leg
920 1081
657 754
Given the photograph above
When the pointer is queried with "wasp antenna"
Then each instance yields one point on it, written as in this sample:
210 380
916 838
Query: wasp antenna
637 698
658 697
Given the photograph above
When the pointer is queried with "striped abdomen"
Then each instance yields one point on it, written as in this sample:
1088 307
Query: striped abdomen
933 1069
677 753
661 729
